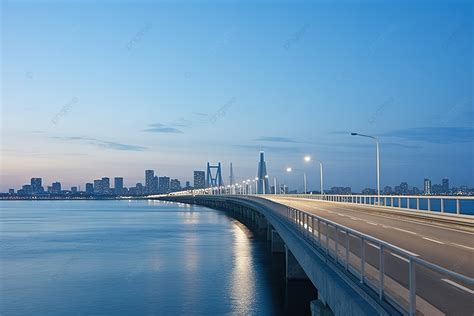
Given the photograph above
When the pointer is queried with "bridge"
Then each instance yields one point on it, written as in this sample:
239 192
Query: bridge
365 255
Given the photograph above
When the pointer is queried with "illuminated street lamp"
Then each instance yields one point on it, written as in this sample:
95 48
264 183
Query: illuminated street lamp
289 169
378 162
308 159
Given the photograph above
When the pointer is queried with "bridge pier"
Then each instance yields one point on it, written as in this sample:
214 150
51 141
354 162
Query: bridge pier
278 246
293 269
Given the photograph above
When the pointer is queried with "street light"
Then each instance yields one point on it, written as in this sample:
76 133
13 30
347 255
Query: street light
378 162
289 169
308 159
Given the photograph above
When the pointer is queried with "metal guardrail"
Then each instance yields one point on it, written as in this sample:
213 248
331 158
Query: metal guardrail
451 205
335 241
460 205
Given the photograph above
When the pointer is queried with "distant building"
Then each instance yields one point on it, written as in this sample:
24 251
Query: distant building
106 185
369 191
36 185
11 191
188 185
56 187
74 190
118 185
427 187
262 176
340 190
149 181
139 189
199 179
175 185
436 189
98 188
89 188
163 185
387 190
445 185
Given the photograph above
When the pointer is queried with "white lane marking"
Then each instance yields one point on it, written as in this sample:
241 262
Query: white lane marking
406 251
372 223
433 240
375 246
343 215
459 286
459 245
353 218
399 257
405 231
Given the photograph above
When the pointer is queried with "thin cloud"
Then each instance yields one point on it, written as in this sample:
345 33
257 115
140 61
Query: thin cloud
276 139
161 128
101 143
436 135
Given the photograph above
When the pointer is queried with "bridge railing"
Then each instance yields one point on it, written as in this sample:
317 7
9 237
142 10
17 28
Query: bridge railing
385 268
459 205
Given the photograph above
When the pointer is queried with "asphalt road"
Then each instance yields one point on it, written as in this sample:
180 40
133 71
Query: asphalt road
449 247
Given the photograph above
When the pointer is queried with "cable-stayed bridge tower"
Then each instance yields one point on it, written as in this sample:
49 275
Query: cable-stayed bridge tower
214 180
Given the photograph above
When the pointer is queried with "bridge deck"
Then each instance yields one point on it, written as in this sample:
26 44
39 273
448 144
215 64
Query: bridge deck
449 247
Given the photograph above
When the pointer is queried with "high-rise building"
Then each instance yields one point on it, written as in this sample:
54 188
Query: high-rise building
427 187
89 188
73 190
98 187
387 190
445 185
403 188
188 184
149 181
199 179
36 185
118 185
56 187
163 185
11 191
175 185
262 176
106 185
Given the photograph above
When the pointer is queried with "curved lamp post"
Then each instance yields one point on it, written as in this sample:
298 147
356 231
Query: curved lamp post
378 162
308 159
289 169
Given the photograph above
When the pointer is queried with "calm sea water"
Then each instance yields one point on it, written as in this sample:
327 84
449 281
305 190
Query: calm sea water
136 257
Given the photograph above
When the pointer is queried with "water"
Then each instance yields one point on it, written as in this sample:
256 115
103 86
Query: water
136 257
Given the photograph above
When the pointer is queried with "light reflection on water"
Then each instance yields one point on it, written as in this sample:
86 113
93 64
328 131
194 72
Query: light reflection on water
130 257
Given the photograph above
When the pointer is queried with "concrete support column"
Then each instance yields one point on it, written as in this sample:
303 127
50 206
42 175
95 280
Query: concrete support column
278 246
293 269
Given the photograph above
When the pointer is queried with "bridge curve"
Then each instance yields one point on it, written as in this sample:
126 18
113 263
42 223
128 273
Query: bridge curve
354 273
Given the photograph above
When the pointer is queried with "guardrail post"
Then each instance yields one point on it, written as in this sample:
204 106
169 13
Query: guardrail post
362 260
327 239
458 206
441 203
336 240
412 287
319 232
347 250
417 203
429 204
381 271
408 203
400 202
391 202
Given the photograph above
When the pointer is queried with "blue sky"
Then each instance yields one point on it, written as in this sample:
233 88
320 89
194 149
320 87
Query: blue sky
112 88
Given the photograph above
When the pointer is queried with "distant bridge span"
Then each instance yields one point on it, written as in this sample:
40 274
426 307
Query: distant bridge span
363 259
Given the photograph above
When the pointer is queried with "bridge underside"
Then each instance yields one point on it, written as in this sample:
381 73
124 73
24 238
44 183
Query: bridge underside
336 295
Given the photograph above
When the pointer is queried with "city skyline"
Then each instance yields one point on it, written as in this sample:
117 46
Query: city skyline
179 104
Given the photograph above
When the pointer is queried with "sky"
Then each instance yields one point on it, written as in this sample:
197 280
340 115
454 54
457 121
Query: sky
111 88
